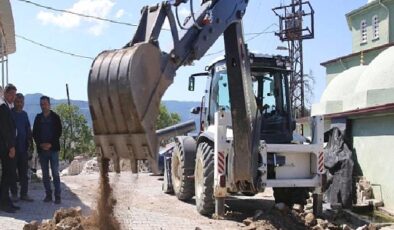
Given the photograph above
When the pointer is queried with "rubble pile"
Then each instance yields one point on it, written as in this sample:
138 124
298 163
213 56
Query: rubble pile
365 194
65 219
76 166
91 166
281 217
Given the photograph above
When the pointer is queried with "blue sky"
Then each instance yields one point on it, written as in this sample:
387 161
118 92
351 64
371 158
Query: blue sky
34 69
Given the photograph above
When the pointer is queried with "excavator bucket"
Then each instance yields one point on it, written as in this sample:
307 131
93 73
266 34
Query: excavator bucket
124 89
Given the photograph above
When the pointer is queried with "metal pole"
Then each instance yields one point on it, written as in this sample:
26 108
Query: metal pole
2 70
6 67
68 95
70 119
219 207
302 80
2 48
69 104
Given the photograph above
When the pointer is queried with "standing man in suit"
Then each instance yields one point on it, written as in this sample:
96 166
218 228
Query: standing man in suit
7 148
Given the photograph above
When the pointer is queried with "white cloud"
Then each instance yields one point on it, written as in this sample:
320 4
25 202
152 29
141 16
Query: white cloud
65 20
119 13
97 29
98 8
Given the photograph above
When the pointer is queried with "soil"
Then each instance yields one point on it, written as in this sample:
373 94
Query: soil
140 204
72 219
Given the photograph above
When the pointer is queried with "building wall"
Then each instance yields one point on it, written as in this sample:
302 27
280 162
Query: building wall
367 15
335 68
373 141
390 6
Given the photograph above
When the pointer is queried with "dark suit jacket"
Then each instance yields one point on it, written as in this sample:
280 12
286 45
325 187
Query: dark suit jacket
7 130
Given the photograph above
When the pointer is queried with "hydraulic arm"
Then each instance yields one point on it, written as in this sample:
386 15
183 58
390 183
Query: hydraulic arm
126 85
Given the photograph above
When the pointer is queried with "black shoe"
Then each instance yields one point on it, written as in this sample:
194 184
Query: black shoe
58 200
47 198
15 207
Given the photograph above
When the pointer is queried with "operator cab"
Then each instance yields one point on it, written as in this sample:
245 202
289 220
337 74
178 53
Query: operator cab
270 83
271 86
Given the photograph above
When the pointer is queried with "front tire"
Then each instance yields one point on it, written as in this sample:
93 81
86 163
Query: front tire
182 184
203 176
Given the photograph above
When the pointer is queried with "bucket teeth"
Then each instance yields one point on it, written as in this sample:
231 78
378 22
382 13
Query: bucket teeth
124 89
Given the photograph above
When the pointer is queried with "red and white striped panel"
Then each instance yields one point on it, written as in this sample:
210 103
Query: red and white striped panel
321 162
221 163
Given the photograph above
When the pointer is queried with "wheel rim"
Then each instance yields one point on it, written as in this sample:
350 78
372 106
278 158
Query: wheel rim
175 172
198 177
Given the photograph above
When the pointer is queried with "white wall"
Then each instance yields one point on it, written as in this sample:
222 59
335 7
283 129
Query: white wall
373 140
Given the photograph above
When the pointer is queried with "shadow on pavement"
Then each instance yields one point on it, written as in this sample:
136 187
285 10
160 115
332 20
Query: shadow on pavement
39 210
240 208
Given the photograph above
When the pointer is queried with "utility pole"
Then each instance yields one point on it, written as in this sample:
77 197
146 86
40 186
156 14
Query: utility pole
296 23
70 121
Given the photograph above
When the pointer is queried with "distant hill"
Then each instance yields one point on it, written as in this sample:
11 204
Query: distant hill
32 107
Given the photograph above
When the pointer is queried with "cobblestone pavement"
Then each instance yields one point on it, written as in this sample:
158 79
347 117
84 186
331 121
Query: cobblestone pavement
140 204
39 210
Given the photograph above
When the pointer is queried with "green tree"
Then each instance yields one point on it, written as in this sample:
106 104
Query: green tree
77 136
166 118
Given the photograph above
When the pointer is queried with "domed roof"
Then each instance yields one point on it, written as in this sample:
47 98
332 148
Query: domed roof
379 74
343 84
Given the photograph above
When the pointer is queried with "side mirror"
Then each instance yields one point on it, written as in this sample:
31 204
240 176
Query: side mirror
195 110
191 83
192 79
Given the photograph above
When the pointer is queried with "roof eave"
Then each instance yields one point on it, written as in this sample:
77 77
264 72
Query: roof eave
356 54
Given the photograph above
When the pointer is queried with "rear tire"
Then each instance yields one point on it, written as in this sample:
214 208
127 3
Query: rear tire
182 184
203 176
167 183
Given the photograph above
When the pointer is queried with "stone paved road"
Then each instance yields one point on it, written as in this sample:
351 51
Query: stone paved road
140 204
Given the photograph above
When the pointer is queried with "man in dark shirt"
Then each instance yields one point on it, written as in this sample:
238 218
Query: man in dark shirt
23 140
7 148
47 130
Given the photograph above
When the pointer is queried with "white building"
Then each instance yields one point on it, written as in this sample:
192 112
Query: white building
7 38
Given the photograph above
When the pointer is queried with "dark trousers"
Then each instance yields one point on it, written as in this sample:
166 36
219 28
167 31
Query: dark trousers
8 177
22 168
51 157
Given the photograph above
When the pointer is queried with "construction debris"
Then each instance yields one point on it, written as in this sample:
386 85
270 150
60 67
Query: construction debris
338 161
64 219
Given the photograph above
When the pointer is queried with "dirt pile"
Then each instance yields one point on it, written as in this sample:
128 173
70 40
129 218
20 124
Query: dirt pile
292 219
279 217
64 219
71 219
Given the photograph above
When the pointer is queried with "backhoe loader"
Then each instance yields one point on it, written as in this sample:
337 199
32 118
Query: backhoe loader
234 152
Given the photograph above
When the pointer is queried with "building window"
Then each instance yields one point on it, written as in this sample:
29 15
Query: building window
375 24
363 29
